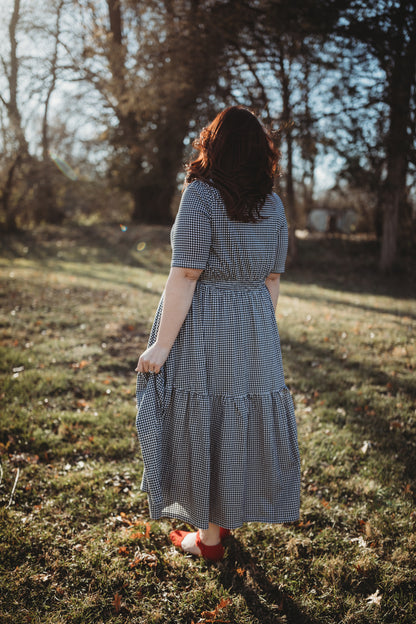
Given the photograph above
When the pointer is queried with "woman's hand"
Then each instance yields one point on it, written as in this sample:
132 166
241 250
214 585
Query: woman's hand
152 360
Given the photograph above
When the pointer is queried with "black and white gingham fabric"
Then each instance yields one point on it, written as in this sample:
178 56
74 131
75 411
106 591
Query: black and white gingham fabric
217 426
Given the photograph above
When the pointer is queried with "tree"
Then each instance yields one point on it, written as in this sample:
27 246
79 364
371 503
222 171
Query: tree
160 61
17 147
292 33
388 28
28 190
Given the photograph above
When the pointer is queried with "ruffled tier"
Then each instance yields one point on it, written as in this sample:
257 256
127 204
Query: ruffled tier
226 460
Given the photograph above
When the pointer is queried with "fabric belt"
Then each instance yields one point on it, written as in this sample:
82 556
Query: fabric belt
233 285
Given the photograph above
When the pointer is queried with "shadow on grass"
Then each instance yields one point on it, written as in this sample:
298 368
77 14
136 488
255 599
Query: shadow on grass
330 301
82 244
337 380
340 263
350 264
269 603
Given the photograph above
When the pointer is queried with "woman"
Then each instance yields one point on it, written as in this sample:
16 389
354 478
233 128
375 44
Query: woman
215 420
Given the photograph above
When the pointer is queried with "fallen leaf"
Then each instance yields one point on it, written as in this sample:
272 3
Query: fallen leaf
399 352
82 403
361 541
211 616
117 602
374 598
365 447
396 424
123 551
43 578
81 364
148 559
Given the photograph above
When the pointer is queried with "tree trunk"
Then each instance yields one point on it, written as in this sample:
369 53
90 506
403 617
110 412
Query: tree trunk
15 122
393 194
394 191
287 128
46 205
395 185
152 203
9 211
12 105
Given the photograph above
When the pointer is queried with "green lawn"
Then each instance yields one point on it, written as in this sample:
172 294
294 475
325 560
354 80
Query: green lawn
77 545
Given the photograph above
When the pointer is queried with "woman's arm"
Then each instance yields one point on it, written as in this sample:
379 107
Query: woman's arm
179 291
273 284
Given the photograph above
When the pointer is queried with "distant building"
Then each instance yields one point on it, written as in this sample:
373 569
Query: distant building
325 220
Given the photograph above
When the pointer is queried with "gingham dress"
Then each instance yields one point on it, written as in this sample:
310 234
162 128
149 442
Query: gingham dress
217 426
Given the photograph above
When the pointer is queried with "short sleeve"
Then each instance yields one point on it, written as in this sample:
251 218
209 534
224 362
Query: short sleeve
282 242
191 232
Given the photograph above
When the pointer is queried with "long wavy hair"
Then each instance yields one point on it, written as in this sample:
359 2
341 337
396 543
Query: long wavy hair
237 156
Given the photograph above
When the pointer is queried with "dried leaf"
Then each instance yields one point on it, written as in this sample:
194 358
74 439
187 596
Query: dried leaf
117 602
123 551
82 403
396 424
374 598
211 616
148 559
365 447
81 364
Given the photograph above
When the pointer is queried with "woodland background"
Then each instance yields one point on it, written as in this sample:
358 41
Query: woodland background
100 101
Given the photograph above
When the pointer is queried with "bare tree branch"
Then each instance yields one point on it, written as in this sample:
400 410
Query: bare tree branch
45 137
259 83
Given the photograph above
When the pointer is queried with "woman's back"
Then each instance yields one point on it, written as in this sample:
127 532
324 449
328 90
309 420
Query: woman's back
228 250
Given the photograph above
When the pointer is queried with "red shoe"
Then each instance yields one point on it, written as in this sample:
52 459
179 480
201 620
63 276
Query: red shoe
210 553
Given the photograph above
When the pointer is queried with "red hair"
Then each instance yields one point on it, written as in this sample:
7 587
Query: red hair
236 156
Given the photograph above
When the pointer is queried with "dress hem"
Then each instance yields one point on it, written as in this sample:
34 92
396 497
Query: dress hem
155 514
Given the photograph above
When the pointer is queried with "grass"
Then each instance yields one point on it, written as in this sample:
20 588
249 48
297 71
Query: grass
77 545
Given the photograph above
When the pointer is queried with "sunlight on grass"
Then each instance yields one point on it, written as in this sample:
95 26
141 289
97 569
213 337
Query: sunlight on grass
77 545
